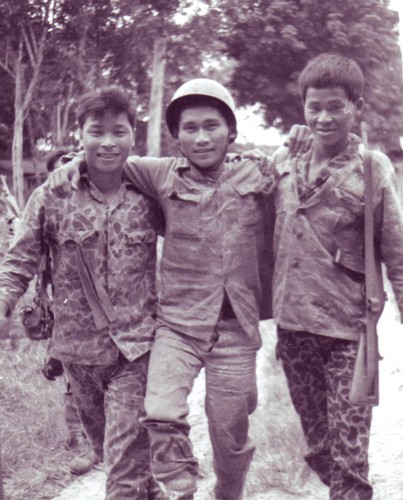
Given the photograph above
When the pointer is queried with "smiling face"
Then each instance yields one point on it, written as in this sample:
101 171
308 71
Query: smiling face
107 140
203 138
330 115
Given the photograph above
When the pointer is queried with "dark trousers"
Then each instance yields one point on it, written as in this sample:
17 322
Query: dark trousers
319 371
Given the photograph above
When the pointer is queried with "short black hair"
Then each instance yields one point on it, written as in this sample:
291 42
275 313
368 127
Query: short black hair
191 101
332 70
98 102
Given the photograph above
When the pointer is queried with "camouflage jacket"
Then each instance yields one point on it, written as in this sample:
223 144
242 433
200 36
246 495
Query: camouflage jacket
217 241
319 241
103 270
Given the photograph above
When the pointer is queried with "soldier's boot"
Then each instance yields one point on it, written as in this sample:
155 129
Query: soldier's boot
84 463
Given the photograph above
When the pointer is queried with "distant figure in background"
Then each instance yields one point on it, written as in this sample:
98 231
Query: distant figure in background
55 159
10 214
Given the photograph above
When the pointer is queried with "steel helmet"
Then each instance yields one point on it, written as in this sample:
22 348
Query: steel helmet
203 87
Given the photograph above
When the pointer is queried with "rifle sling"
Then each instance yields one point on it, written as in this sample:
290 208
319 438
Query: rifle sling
372 276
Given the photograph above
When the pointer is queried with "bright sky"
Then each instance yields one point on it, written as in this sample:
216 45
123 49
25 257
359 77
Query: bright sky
398 6
250 124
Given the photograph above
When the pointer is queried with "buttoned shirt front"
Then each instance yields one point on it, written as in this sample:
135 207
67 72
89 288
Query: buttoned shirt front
217 241
319 241
117 244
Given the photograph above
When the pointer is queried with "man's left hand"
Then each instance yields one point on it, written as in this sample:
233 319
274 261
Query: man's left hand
299 139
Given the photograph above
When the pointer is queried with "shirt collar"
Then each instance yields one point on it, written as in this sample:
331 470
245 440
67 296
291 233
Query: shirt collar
96 193
184 164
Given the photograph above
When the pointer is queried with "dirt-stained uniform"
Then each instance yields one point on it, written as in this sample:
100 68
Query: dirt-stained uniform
319 305
103 270
215 276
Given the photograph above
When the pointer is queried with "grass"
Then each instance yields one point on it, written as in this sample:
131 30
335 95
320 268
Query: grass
32 428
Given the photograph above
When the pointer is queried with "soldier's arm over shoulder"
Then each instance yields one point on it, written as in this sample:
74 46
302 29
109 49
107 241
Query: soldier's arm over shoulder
147 173
270 173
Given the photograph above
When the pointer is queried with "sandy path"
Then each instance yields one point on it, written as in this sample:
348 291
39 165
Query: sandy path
275 468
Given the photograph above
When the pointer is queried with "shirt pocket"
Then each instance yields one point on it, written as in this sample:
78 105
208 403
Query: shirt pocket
140 249
67 243
249 209
184 213
350 208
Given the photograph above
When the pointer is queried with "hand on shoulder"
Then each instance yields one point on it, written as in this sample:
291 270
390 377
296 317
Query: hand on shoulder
299 140
64 180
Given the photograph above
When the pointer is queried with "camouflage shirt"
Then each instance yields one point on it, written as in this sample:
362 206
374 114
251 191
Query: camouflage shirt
113 246
319 241
217 242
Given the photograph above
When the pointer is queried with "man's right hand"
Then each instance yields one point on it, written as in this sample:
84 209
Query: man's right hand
52 368
64 180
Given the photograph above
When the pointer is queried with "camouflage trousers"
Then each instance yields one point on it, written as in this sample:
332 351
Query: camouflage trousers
110 401
229 359
76 433
319 371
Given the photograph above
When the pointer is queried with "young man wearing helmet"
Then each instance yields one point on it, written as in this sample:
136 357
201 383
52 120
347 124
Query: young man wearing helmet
215 280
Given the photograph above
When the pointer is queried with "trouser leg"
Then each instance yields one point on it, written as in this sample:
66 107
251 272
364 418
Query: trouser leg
337 432
231 396
126 446
302 363
76 433
174 365
89 400
349 427
127 451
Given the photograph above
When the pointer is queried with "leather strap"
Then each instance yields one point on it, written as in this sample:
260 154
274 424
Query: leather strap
97 297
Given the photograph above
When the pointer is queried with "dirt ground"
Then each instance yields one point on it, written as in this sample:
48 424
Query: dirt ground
277 472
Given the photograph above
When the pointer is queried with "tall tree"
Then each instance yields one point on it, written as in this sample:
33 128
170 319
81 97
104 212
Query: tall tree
272 40
24 32
159 44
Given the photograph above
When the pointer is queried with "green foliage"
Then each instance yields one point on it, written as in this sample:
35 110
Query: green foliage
98 42
258 48
272 40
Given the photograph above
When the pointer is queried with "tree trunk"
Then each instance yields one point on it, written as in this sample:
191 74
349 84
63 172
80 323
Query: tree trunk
18 131
32 147
22 100
58 124
156 98
64 117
